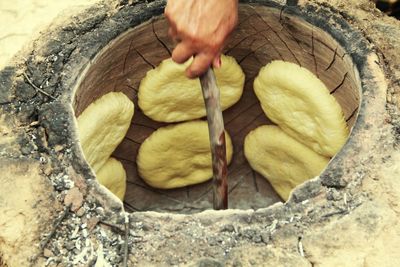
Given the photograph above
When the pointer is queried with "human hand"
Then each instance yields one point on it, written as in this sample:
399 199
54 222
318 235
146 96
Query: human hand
201 27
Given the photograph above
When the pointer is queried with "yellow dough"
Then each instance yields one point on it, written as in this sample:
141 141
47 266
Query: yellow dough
102 126
297 101
165 94
283 161
178 155
113 176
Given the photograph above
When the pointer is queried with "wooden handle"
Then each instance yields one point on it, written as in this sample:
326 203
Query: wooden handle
217 139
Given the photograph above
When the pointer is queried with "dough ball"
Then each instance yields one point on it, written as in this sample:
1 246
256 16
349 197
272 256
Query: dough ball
283 161
297 101
165 94
113 177
178 155
102 126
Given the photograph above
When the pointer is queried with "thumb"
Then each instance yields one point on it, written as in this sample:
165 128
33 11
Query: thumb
217 61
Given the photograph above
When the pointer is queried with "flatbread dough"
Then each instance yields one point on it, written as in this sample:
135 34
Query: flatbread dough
178 155
283 161
297 101
113 176
102 126
166 95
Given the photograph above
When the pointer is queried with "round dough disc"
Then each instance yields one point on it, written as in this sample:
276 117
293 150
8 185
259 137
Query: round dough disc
297 101
102 126
166 95
283 161
113 176
178 155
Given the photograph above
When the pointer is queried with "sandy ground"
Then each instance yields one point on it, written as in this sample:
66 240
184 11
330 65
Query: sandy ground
20 20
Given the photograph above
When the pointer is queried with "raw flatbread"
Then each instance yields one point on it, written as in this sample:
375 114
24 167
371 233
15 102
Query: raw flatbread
297 101
113 176
165 94
283 161
178 155
102 126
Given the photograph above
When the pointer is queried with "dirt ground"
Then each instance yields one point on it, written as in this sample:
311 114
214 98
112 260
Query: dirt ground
20 20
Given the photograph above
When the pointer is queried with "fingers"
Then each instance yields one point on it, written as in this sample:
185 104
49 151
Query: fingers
217 61
182 52
200 64
172 32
